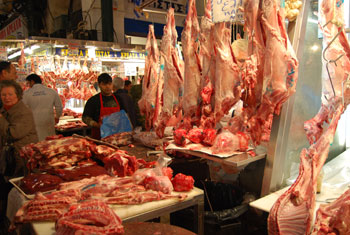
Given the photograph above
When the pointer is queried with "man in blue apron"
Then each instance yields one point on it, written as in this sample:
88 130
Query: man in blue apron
100 105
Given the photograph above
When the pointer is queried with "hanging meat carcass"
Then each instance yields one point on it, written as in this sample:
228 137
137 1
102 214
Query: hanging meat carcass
227 76
280 68
192 75
208 72
252 68
147 103
336 65
173 77
293 211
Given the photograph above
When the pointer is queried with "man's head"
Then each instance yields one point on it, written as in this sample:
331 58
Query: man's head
127 85
105 84
7 71
33 79
118 83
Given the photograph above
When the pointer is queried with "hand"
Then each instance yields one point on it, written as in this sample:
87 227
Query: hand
97 125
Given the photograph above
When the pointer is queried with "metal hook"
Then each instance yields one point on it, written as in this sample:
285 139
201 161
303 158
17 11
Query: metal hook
331 61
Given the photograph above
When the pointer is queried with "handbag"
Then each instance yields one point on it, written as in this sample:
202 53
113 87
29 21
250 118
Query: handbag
8 157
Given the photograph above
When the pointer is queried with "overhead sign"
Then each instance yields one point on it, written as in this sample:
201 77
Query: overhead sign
101 53
119 54
14 30
69 52
226 10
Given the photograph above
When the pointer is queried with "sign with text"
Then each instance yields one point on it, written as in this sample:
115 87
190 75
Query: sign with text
178 5
226 10
14 30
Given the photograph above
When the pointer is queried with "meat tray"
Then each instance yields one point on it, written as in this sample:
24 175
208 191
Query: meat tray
15 183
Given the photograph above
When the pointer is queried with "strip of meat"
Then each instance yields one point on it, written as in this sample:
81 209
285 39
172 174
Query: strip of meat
90 217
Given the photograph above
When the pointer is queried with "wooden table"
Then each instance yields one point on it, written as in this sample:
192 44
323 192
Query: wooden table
130 213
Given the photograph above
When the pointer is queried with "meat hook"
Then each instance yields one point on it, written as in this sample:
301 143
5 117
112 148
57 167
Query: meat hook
340 29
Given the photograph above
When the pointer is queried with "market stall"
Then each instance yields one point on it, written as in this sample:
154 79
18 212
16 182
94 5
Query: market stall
231 104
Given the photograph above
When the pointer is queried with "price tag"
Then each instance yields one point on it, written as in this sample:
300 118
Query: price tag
226 11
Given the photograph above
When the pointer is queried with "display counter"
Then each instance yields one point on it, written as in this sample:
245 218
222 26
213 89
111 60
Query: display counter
128 213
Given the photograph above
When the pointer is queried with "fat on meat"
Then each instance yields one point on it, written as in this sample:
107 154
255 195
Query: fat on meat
147 103
192 69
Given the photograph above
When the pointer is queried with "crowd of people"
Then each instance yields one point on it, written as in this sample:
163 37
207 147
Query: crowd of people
30 116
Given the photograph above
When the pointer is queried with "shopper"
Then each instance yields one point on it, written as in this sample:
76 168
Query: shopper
127 86
125 99
17 124
101 105
45 104
7 71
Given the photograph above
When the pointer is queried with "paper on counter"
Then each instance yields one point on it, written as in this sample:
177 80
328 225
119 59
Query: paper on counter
201 148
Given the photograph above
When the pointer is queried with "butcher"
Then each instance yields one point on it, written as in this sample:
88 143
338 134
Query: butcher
45 104
100 105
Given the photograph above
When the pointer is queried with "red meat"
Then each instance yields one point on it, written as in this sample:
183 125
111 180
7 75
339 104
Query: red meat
167 171
180 137
39 183
183 183
195 135
209 136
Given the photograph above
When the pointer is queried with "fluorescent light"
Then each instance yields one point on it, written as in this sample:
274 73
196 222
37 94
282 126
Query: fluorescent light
35 47
14 55
91 47
314 47
60 46
28 51
312 21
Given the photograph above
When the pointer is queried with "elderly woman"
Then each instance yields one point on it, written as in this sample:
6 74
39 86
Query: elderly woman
17 123
16 119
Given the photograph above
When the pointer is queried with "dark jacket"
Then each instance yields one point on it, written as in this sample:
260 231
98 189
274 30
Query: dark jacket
127 104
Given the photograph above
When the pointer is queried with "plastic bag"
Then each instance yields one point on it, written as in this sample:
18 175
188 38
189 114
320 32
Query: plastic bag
158 178
115 123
